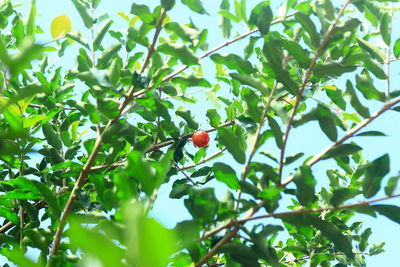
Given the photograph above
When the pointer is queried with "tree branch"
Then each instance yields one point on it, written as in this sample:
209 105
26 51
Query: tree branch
349 134
305 81
87 168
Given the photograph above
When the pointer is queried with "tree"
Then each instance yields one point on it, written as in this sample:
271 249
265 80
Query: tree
80 172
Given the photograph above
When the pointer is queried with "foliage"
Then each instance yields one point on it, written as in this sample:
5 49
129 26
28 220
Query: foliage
80 169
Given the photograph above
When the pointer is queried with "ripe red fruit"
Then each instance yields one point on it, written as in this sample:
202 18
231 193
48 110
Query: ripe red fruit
200 138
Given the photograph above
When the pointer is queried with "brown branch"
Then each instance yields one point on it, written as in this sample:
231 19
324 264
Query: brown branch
187 136
87 168
292 212
349 134
260 125
184 173
170 142
317 210
305 81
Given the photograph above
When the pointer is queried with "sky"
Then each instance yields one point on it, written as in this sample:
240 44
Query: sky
170 211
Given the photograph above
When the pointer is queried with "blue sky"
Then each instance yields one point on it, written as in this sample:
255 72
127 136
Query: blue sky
303 139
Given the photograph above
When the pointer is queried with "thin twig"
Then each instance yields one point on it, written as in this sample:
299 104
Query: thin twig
184 173
305 81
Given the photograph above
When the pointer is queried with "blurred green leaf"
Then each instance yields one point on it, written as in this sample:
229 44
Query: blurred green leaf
232 143
225 174
342 150
305 183
390 211
168 4
187 116
179 51
261 16
101 33
83 12
375 172
202 204
233 61
195 5
355 102
374 50
309 26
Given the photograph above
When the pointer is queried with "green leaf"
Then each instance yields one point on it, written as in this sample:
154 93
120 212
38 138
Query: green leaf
271 196
391 185
355 102
18 257
214 117
342 150
143 12
191 81
235 62
273 53
225 22
298 52
202 204
337 98
385 28
101 33
93 241
365 84
225 174
168 4
261 16
232 143
108 107
332 69
342 194
305 183
396 48
390 211
180 51
251 81
180 188
107 54
375 68
141 170
77 37
364 239
30 27
50 198
372 49
375 172
241 253
83 12
371 133
327 122
252 100
51 136
228 15
327 228
9 214
195 5
276 129
187 116
290 159
310 28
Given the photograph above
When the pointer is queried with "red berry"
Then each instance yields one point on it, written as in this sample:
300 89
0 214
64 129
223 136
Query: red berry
200 138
